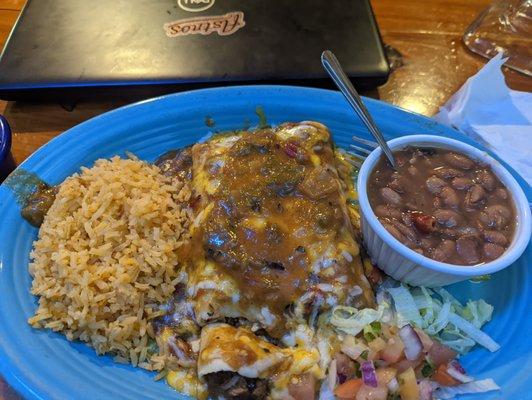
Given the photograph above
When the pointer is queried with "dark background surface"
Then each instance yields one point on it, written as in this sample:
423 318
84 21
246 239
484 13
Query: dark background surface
101 42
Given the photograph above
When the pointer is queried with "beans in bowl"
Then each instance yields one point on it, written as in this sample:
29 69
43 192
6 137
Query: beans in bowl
443 205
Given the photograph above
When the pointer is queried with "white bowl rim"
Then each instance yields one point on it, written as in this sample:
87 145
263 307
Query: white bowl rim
522 232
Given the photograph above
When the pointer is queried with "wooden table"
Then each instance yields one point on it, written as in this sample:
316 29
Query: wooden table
426 32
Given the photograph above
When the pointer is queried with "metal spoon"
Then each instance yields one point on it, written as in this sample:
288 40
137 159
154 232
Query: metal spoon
335 71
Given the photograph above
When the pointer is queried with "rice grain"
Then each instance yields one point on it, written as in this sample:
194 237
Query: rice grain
107 255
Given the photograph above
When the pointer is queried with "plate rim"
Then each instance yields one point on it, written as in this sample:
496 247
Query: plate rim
25 389
290 88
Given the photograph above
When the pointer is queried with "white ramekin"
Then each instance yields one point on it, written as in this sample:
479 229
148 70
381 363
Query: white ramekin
404 264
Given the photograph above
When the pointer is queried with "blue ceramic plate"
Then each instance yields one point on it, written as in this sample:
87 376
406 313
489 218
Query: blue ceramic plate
44 365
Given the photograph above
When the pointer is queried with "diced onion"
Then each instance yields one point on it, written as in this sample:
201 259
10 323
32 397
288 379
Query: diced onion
456 365
426 389
457 372
368 373
352 348
333 375
325 392
393 385
412 342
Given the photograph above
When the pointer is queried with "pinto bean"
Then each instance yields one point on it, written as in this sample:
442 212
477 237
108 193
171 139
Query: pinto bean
475 196
406 231
486 179
492 250
396 185
495 216
387 212
444 250
411 206
448 233
467 248
495 237
501 193
449 197
390 196
461 183
435 184
468 231
458 160
407 218
443 204
394 232
401 159
447 173
427 243
447 218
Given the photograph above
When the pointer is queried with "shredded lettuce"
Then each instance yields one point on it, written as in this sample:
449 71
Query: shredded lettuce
440 315
473 332
435 310
352 321
440 322
477 312
482 386
372 331
405 307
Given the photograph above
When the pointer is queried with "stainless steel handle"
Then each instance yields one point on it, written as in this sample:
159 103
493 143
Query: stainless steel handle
335 71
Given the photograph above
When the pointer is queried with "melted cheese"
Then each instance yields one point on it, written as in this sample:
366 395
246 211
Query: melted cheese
226 348
186 381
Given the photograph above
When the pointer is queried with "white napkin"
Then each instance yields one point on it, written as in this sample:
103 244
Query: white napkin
501 118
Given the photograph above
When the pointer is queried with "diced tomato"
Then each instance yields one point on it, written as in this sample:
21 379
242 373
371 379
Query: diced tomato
302 387
377 344
372 355
443 378
393 351
372 393
403 365
291 149
408 389
440 354
426 341
345 367
348 389
424 223
385 375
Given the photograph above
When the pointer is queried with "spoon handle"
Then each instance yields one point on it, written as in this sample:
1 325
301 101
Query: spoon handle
335 71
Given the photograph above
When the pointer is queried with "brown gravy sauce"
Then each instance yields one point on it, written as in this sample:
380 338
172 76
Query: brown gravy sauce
275 182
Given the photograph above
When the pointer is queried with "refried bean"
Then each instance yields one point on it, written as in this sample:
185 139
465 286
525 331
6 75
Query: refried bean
444 205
